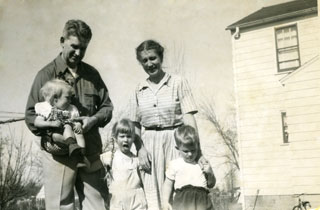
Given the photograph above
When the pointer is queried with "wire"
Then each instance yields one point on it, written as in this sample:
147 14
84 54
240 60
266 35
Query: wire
8 116
8 112
11 120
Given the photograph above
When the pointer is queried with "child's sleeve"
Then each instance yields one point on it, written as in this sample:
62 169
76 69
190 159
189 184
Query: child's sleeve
42 110
74 113
106 158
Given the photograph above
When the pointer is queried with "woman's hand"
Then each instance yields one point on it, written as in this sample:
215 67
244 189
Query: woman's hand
144 159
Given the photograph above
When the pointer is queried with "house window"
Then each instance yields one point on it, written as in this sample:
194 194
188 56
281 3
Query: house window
284 127
287 45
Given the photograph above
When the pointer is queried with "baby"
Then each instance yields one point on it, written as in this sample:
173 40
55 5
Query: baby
126 187
56 113
190 175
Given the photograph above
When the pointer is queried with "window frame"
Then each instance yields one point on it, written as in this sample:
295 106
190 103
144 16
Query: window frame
284 125
294 46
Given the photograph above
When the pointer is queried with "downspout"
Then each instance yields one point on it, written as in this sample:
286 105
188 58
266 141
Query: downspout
235 37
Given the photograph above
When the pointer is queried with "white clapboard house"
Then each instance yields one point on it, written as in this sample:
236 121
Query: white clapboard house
277 85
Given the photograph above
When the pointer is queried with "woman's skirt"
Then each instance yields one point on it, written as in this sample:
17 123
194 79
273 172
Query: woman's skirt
161 146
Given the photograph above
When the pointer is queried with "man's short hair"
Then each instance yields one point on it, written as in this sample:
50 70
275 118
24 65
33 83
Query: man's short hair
77 28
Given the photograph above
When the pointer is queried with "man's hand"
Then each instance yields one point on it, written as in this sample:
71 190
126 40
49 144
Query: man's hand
87 122
144 159
77 128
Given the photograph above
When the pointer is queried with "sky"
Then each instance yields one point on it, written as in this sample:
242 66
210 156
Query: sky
190 29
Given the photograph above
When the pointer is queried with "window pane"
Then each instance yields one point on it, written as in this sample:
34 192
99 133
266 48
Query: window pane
285 132
286 30
281 43
289 64
294 40
288 54
279 34
287 42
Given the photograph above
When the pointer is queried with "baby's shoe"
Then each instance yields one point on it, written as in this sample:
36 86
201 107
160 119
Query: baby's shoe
83 162
74 149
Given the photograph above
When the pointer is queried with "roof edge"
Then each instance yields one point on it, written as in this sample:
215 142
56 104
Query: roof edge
298 13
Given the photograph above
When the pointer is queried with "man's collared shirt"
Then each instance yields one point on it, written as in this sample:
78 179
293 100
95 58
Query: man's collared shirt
91 97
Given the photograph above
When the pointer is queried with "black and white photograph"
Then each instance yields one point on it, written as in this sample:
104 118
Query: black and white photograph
160 105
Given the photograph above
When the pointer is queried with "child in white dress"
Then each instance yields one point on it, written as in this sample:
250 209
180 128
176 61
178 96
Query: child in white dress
126 187
58 115
189 176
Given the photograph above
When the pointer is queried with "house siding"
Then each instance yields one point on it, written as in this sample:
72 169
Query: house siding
267 164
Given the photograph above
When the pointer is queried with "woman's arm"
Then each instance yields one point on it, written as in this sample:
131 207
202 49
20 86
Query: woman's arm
144 156
189 119
167 191
40 122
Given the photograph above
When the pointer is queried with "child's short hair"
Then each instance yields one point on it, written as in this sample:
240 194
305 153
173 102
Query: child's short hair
54 88
186 135
123 126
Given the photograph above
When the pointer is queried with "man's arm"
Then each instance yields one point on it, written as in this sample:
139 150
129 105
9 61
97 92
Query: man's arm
34 97
105 107
189 119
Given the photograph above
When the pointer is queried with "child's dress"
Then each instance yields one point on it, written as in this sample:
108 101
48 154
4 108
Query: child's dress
49 113
190 184
126 187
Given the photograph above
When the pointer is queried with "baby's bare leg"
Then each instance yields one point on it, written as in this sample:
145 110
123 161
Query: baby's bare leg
80 140
57 137
68 132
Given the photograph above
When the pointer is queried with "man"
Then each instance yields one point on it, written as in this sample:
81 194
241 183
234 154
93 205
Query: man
92 100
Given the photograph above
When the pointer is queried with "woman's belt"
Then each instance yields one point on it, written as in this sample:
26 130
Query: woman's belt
160 128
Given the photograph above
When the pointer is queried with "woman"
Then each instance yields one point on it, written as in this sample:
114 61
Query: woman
161 104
